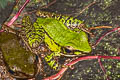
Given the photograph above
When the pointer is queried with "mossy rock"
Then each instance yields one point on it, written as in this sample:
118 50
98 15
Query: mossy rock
19 62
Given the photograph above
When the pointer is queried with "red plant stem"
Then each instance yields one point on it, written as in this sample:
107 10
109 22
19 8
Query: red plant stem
113 30
80 59
53 77
18 13
1 30
103 69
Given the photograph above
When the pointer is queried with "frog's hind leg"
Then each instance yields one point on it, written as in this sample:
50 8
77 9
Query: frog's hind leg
50 59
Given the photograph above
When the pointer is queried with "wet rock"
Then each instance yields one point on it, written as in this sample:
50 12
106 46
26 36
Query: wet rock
19 62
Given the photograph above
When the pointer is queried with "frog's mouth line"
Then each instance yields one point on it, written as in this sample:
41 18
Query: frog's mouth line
71 53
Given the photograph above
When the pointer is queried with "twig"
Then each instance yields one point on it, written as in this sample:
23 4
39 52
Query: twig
18 13
113 30
103 69
53 77
85 8
99 27
49 4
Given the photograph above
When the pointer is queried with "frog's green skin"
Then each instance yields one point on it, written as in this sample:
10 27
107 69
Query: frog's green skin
34 35
64 36
68 21
17 60
56 35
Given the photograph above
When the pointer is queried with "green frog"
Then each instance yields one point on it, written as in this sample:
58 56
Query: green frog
57 37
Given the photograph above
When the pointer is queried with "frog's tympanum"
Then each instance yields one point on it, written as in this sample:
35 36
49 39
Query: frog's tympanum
19 62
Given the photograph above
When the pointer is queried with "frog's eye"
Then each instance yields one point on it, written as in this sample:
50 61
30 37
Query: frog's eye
70 48
67 50
11 71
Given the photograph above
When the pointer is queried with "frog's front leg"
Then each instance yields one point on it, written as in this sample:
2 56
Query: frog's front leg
50 58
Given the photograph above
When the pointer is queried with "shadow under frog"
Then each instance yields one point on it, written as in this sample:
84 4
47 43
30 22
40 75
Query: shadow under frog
19 62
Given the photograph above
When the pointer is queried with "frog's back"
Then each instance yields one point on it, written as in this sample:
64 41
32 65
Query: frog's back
53 28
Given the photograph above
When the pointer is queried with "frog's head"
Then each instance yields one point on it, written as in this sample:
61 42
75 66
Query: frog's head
80 43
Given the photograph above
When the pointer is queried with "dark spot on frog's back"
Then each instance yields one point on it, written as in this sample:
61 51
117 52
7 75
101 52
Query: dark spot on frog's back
19 62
